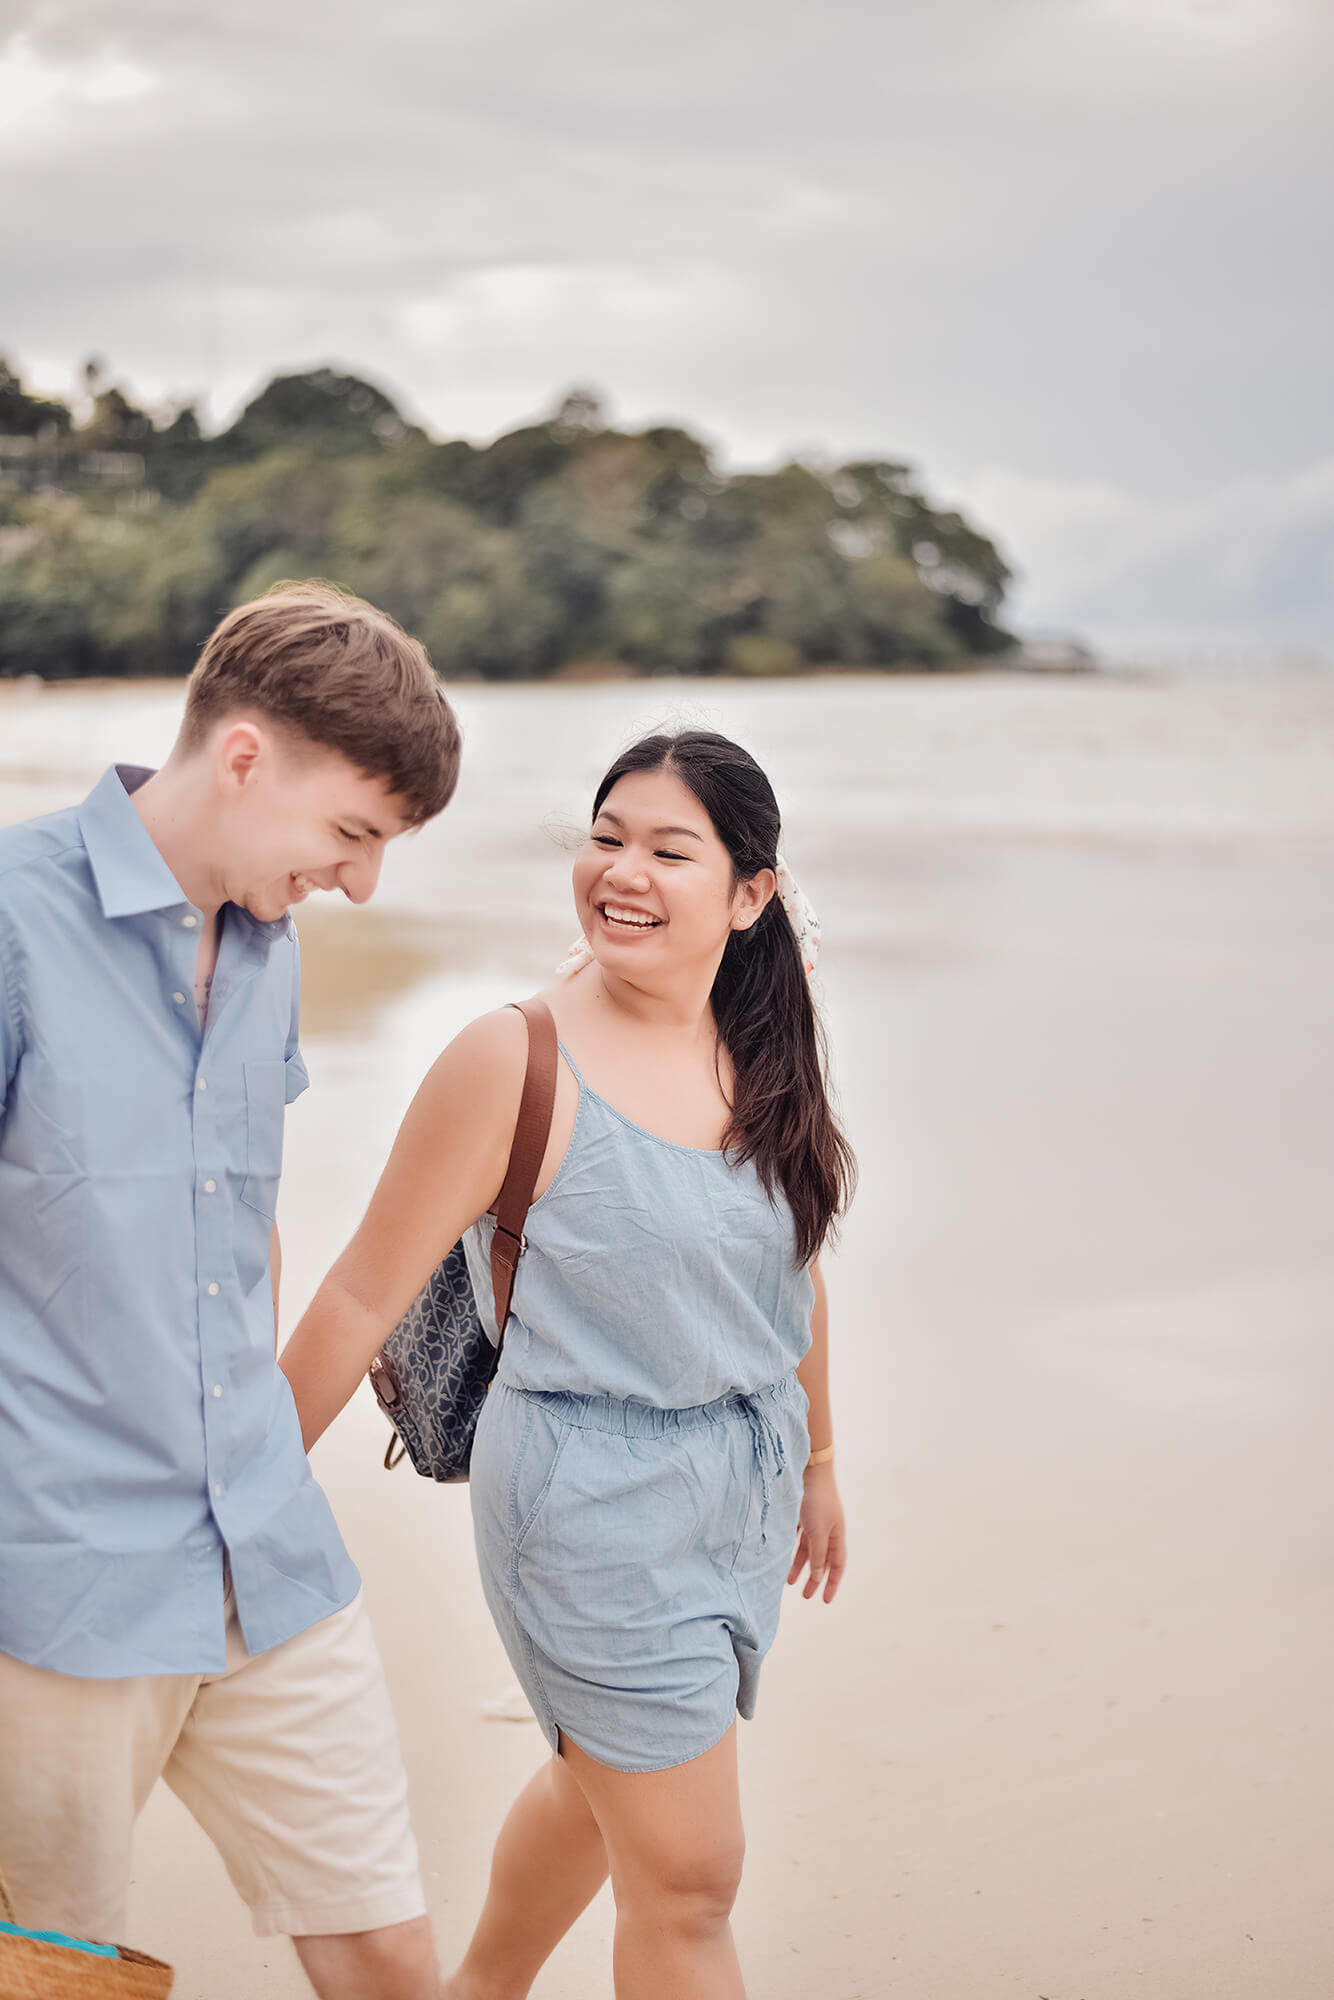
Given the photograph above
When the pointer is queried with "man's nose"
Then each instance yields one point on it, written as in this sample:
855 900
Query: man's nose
357 879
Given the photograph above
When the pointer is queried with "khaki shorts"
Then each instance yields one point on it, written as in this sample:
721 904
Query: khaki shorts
289 1761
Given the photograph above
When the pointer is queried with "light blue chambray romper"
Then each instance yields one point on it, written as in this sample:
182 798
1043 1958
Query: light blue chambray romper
637 1471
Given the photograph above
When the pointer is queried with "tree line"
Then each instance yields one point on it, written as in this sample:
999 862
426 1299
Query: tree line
562 545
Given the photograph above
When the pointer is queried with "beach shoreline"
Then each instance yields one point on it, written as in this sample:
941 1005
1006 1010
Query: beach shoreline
1065 1731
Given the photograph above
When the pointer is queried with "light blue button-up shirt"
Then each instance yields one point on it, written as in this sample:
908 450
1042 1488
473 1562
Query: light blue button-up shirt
145 1426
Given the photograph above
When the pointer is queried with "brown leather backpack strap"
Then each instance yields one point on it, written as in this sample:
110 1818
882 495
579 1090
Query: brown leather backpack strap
532 1129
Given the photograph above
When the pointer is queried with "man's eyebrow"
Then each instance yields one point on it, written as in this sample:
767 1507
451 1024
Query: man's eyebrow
685 832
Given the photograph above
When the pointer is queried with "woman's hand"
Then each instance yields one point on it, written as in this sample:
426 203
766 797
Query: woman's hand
822 1541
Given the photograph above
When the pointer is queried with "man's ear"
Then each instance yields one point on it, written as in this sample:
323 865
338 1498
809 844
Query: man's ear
752 897
238 754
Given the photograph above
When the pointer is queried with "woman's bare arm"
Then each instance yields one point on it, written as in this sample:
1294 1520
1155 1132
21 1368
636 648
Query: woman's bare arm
445 1170
822 1542
813 1369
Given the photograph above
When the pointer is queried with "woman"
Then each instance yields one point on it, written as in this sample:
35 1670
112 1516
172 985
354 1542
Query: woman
642 1469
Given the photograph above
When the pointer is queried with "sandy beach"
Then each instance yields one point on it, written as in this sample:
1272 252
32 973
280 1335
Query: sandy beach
1065 1734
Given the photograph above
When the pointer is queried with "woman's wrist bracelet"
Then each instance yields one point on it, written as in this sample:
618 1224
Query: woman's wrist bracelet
821 1457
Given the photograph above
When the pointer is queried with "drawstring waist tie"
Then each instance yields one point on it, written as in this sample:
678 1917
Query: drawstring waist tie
770 1455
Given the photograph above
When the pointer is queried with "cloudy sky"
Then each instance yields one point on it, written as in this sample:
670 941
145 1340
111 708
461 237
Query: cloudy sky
1070 257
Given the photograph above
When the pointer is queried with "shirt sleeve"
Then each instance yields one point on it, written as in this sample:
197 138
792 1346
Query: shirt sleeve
297 1077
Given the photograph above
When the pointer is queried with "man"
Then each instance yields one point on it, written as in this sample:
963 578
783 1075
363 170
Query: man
175 1599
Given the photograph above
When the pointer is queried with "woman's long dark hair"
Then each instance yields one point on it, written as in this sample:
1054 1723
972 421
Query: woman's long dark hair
781 1116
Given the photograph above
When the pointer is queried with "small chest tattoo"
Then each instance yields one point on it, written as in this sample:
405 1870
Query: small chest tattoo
203 990
205 966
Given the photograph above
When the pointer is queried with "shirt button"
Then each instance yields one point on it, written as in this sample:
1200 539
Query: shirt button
210 1187
217 1489
213 1291
179 998
217 1390
201 1085
189 923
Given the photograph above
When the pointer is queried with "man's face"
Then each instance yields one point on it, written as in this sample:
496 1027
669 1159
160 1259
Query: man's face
294 818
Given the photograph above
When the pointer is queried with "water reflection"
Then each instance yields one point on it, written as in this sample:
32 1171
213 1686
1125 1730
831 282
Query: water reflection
357 964
351 971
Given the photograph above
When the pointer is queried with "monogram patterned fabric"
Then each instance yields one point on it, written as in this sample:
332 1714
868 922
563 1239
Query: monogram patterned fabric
432 1373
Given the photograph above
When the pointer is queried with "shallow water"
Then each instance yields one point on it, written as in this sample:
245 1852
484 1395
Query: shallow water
1076 937
886 785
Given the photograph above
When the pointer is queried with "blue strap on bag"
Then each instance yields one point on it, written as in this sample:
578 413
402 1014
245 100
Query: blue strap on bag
69 1968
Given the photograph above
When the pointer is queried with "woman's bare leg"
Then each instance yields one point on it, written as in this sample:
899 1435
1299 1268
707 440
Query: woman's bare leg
675 1843
549 1863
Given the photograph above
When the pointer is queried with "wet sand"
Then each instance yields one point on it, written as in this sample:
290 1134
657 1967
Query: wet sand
1065 1733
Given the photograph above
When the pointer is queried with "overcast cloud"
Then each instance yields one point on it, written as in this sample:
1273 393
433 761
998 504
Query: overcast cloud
1072 259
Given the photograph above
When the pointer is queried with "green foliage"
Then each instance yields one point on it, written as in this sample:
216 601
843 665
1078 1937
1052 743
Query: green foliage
320 413
115 425
22 415
178 456
52 596
128 536
759 655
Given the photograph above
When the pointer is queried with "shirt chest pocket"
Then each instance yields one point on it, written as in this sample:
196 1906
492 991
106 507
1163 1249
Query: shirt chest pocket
265 1096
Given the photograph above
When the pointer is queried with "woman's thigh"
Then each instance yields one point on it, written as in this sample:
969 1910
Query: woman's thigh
671 1832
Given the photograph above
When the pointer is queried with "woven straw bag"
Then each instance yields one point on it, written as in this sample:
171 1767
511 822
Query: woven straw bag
33 1969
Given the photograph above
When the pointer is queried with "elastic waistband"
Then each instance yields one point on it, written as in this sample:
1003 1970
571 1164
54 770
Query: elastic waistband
645 1420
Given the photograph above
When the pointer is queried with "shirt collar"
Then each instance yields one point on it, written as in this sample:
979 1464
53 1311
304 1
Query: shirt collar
277 927
128 868
129 871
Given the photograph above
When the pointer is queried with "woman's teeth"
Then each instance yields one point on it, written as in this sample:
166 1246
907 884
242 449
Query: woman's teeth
634 920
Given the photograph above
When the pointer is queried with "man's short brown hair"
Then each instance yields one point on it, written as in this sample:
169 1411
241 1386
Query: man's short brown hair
329 667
